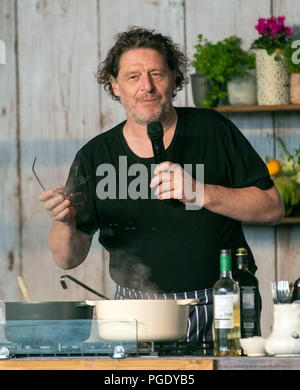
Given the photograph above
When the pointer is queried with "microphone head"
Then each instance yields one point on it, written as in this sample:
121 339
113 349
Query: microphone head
155 130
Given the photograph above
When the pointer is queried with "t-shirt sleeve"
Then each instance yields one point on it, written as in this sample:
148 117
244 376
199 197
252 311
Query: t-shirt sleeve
80 182
245 167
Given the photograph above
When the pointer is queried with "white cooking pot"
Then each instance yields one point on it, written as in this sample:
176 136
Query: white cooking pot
142 319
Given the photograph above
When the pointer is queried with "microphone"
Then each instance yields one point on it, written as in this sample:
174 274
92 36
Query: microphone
155 133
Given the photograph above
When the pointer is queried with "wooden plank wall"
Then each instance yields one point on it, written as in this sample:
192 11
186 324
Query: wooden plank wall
50 105
10 212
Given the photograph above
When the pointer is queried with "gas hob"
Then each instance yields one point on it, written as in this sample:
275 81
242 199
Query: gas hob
82 337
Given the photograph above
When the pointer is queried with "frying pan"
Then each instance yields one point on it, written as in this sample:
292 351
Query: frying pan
47 322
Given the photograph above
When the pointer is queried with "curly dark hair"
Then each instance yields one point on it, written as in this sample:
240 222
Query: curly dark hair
136 38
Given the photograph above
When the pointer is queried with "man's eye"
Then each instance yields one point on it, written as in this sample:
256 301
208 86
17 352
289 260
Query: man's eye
158 74
133 77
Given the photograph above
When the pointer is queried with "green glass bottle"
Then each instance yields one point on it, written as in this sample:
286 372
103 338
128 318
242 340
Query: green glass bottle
226 306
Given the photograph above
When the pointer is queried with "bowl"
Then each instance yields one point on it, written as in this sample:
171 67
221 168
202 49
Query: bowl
254 346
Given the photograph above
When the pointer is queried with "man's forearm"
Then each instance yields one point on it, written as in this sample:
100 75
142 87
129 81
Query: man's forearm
68 245
248 204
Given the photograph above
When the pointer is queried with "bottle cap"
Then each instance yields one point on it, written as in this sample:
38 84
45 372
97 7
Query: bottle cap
225 260
225 252
241 252
241 257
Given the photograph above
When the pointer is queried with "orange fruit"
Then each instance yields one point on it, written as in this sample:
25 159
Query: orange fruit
273 167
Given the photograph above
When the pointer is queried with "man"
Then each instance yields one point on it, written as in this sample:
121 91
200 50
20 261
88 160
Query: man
160 248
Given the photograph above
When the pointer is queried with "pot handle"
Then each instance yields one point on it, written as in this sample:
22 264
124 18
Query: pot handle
184 302
90 303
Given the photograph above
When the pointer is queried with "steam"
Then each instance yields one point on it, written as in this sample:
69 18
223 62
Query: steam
126 267
128 271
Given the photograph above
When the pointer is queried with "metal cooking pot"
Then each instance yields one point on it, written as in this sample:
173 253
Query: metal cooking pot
154 319
48 322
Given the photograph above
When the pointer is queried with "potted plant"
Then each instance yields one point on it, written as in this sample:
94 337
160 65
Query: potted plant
271 71
292 57
286 175
216 65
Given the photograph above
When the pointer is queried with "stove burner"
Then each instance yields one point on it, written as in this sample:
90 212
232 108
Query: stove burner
178 348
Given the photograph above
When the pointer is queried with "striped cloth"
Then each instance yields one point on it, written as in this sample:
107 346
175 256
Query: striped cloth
200 320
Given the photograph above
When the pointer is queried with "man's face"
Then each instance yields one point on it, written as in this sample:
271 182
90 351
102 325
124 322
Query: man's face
145 85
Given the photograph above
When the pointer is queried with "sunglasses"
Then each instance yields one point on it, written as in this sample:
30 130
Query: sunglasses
77 199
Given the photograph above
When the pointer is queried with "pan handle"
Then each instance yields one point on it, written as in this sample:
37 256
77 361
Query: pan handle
185 302
81 304
64 285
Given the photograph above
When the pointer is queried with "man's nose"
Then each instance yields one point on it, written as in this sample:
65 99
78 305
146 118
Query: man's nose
147 83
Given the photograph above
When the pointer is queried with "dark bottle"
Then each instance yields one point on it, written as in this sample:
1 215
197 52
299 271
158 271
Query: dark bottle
296 292
250 302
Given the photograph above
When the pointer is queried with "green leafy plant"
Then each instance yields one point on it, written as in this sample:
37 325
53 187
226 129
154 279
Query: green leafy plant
287 180
291 55
220 63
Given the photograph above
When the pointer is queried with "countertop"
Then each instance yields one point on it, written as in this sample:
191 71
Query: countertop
151 363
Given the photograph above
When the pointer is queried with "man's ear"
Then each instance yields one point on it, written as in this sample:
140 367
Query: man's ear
114 84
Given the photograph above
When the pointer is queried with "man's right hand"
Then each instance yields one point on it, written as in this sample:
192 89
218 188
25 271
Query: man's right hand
57 206
68 245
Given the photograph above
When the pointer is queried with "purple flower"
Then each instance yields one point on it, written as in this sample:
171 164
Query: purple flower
280 21
288 30
273 26
260 27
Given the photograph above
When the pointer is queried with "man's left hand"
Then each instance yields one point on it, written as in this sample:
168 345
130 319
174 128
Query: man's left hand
173 181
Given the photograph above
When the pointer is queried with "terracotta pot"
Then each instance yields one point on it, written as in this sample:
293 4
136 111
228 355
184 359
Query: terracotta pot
272 79
295 88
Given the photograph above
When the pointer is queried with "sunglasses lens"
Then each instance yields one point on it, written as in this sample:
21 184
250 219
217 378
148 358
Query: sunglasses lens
78 198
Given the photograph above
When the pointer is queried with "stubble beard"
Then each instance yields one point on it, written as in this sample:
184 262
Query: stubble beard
160 115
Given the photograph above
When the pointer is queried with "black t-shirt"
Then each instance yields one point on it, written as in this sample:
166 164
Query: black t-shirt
160 245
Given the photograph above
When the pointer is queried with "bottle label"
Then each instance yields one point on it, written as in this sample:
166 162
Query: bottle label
223 307
248 297
248 325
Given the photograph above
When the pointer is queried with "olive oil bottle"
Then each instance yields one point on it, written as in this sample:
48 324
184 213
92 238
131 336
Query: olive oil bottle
250 305
226 306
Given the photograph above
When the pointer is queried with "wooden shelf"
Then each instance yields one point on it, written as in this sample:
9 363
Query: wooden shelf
290 220
285 221
257 108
